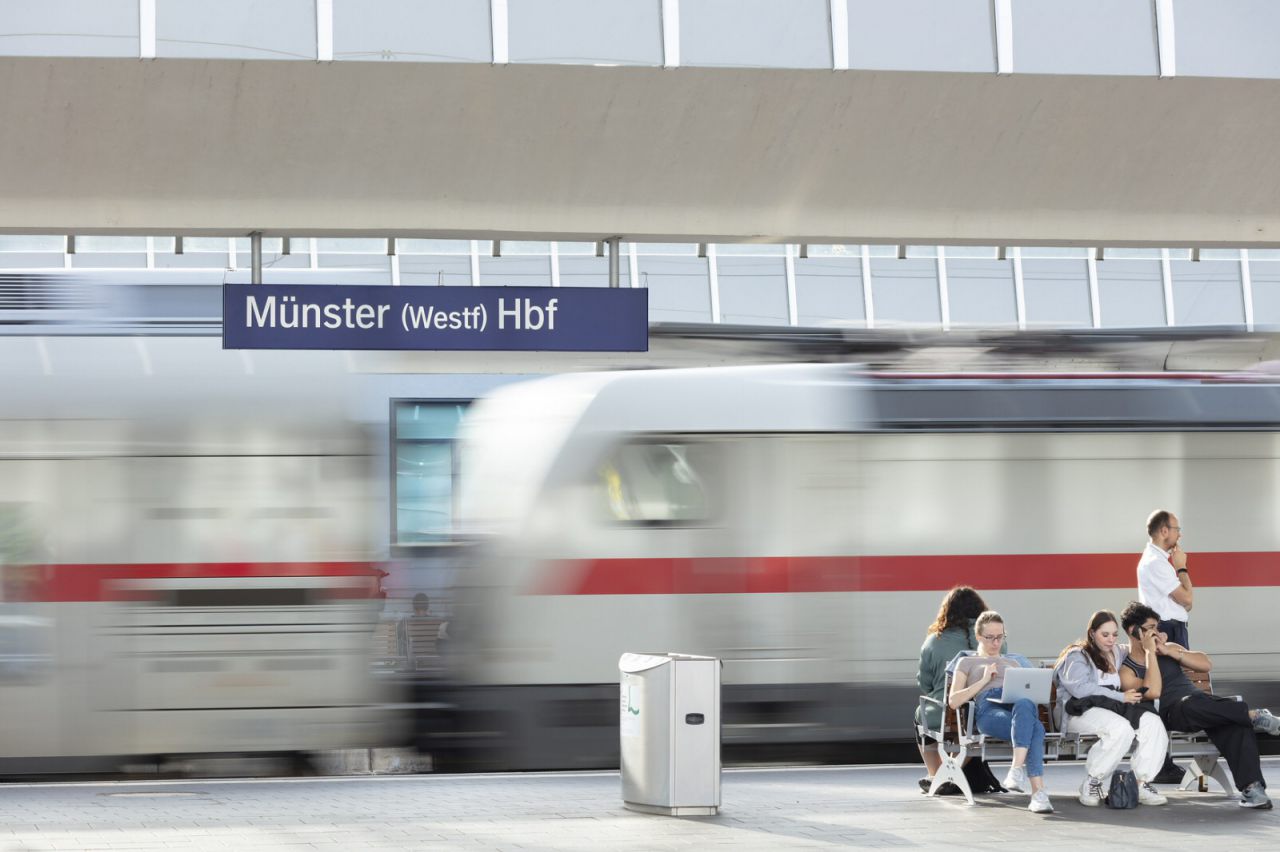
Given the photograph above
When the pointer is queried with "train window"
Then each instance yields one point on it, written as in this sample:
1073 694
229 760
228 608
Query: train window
25 646
425 473
657 482
243 597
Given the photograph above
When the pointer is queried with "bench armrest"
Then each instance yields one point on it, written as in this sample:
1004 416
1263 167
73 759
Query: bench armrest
965 716
925 703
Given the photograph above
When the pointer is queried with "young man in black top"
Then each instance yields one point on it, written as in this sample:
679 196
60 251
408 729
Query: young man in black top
1185 707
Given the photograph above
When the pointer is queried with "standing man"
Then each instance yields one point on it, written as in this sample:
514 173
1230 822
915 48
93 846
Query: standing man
1164 583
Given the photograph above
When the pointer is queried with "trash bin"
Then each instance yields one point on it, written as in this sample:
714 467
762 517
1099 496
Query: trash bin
669 727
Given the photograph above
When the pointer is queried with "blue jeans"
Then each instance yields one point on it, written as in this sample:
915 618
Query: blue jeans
1018 723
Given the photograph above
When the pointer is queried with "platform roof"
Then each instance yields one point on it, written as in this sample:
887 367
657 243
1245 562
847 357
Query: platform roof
211 147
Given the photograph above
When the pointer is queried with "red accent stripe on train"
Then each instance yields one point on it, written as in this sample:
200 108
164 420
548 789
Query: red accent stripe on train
774 574
98 582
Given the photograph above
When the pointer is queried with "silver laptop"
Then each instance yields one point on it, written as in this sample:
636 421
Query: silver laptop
1025 683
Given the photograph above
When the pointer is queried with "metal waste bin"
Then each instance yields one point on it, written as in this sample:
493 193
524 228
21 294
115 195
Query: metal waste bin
669 725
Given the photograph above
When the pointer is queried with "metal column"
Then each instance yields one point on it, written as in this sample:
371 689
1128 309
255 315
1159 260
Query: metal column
255 257
614 244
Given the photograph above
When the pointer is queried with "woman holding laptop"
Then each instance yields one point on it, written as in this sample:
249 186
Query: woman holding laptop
981 676
1091 701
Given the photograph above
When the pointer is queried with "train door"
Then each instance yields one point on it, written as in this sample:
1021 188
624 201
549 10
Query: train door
28 688
796 527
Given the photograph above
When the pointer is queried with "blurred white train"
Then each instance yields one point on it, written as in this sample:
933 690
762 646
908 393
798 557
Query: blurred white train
193 541
191 548
802 523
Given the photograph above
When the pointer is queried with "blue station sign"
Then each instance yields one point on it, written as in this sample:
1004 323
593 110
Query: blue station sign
533 319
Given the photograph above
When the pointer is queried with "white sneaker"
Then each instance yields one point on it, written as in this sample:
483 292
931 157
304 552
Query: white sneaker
1016 780
1091 792
1148 795
1040 803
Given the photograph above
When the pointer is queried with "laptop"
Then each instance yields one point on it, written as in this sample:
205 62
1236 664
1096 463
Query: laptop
1025 683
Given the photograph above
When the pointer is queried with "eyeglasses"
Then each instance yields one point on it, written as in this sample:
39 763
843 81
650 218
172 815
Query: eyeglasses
1176 529
999 638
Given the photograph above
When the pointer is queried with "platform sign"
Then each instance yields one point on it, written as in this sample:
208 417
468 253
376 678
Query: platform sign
533 319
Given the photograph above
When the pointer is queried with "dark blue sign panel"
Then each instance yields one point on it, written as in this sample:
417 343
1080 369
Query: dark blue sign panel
541 319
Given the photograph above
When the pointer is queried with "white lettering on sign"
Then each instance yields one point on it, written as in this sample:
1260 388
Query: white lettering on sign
527 316
289 313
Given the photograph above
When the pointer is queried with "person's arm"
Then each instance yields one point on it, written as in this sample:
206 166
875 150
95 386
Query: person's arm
1184 593
1197 661
961 692
1076 676
926 672
1147 653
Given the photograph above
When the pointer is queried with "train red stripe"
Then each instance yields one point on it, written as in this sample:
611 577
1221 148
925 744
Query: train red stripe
776 574
100 582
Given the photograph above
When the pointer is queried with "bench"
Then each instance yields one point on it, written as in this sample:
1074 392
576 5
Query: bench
958 740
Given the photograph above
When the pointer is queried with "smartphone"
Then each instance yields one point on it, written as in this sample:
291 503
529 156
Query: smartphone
1142 690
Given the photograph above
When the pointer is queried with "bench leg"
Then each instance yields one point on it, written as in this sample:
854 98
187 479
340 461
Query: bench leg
952 769
1203 767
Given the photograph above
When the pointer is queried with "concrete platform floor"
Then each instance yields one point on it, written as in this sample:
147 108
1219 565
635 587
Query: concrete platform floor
766 809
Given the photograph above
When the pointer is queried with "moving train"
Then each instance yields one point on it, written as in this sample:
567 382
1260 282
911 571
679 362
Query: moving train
194 554
801 522
191 555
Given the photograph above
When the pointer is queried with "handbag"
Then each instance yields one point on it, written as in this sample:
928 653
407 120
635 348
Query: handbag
1124 790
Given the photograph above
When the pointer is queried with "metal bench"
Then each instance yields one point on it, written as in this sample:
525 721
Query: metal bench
959 740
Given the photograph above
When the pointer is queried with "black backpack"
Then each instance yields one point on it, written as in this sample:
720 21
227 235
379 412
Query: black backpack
1124 790
981 779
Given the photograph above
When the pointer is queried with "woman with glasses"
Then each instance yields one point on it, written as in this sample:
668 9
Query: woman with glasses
950 633
981 677
1091 701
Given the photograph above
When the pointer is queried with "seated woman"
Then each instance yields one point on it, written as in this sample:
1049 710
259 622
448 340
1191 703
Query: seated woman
981 677
950 633
1091 701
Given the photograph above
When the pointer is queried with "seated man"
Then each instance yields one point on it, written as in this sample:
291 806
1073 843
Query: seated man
1185 707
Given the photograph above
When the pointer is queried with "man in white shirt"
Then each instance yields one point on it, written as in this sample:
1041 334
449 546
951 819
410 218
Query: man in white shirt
1164 583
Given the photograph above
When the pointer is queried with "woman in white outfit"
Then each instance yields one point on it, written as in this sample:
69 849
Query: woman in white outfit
1089 670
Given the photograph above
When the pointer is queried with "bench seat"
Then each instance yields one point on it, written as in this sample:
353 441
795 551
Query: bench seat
960 740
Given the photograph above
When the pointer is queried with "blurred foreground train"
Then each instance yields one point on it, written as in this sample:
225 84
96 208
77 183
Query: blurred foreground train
193 559
189 557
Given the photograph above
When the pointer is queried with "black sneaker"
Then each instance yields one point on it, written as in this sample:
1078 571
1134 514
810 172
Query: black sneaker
1255 797
1172 773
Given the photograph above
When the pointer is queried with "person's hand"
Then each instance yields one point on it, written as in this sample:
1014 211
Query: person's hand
1162 644
1178 557
1149 640
989 673
1132 696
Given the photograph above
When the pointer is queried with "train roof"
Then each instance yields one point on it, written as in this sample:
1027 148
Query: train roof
514 439
843 397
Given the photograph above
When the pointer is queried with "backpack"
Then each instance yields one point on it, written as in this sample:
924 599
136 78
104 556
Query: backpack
1124 790
981 779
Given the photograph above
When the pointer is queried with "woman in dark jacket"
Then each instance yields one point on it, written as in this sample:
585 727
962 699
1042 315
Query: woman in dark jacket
950 633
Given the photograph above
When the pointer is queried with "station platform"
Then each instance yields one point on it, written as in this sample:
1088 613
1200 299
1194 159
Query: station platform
789 808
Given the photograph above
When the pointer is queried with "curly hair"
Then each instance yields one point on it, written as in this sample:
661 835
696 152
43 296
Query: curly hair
961 605
1135 615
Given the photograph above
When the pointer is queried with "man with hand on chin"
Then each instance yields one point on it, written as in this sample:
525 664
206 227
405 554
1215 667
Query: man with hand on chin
1164 582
